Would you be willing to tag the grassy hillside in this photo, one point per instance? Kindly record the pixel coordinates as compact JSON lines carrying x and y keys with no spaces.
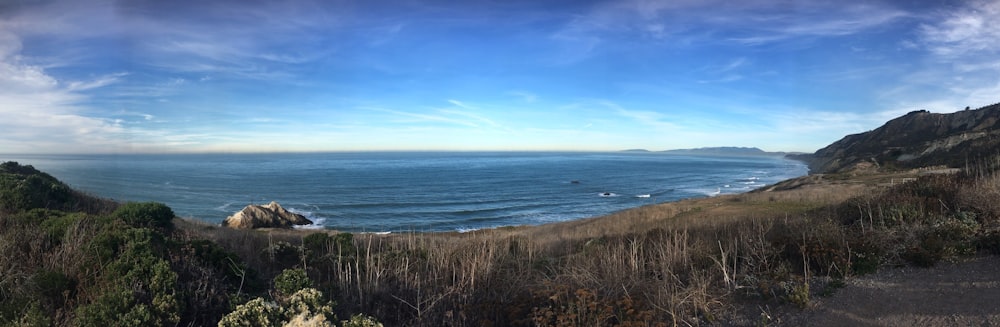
{"x":722,"y":260}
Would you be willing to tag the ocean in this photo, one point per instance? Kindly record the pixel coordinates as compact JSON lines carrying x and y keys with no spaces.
{"x":413,"y":191}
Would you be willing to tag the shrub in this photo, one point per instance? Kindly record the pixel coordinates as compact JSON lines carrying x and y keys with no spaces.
{"x":145,"y":214}
{"x":55,"y":225}
{"x":34,"y":316}
{"x":285,"y":254}
{"x":359,"y":320}
{"x":309,"y":303}
{"x":25,"y":192}
{"x":306,"y":307}
{"x":291,"y":281}
{"x":52,"y":284}
{"x":256,"y":312}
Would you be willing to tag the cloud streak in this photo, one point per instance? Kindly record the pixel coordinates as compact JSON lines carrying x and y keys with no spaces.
{"x":760,"y":22}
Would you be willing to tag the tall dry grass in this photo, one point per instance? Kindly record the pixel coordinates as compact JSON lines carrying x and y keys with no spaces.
{"x":692,"y":262}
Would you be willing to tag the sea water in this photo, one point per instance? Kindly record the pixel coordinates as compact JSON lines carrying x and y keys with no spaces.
{"x":413,"y":191}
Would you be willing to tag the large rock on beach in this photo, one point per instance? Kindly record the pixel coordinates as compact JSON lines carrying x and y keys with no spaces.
{"x":269,"y":216}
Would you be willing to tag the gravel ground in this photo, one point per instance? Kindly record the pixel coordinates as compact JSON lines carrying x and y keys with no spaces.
{"x":965,"y":293}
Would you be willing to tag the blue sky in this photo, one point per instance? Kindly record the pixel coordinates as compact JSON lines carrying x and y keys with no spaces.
{"x":251,"y":76}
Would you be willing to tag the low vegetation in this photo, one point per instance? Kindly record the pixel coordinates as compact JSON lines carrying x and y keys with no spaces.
{"x":67,"y":260}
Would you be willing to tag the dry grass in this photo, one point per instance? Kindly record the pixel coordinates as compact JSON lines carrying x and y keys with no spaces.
{"x":674,"y":262}
{"x":691,"y":262}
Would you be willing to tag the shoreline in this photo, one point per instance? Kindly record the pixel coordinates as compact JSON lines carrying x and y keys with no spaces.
{"x":555,"y":199}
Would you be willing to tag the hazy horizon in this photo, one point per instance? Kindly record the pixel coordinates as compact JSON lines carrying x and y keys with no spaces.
{"x":106,"y":76}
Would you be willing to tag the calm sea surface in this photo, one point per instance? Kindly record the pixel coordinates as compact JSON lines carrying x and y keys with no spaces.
{"x":399,"y":191}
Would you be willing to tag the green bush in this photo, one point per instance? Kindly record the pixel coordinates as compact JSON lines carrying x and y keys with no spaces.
{"x":256,"y":312}
{"x":145,"y":214}
{"x":321,"y":246}
{"x":305,"y":307}
{"x":25,"y":192}
{"x":132,"y":257}
{"x":291,"y":281}
{"x":52,"y":284}
{"x":34,"y":316}
{"x":115,"y":307}
{"x":359,"y":320}
{"x":316,"y":242}
{"x":56,"y":225}
{"x":309,"y":303}
{"x":284,"y":254}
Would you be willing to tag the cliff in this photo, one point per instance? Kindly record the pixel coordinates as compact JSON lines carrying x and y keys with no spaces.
{"x":917,"y":139}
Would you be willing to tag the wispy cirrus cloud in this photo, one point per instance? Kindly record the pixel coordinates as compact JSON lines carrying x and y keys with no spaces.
{"x":40,"y":112}
{"x":747,"y":22}
{"x":525,"y":96}
{"x":963,"y":66}
{"x":99,"y":82}
{"x":405,"y":117}
{"x":970,"y":30}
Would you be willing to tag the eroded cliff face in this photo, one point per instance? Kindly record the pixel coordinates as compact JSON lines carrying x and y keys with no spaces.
{"x":917,"y":139}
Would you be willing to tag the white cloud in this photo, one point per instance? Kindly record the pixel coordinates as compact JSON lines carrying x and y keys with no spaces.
{"x":96,"y":83}
{"x":422,"y":118}
{"x":458,"y":104}
{"x":524,"y":96}
{"x":964,"y":66}
{"x":751,"y":22}
{"x":649,"y":118}
{"x":39,"y":113}
{"x":974,"y":29}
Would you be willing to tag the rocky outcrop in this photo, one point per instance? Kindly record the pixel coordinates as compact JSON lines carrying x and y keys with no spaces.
{"x":917,"y":139}
{"x":269,"y":216}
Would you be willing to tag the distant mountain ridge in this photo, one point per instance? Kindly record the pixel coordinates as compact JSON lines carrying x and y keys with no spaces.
{"x":726,"y":151}
{"x":917,"y":139}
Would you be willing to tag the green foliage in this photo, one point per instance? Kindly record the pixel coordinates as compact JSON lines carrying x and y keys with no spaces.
{"x":145,"y":214}
{"x":57,"y":223}
{"x":298,"y":304}
{"x":316,"y":242}
{"x":797,"y":293}
{"x":52,"y":285}
{"x":291,"y":281}
{"x":134,"y":257}
{"x":24,"y":188}
{"x":360,"y":320}
{"x":285,"y":254}
{"x":309,"y":303}
{"x":33,"y":316}
{"x":114,"y":307}
{"x":342,"y":243}
{"x":306,"y":307}
{"x":256,"y":312}
{"x":212,"y":255}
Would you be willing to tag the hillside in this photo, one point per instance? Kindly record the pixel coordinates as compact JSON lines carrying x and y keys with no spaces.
{"x":917,"y":139}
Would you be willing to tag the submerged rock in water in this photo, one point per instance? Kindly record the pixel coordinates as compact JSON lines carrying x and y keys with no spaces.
{"x":269,"y":216}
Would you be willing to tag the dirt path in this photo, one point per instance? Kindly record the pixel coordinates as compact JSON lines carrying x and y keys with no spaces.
{"x":966,"y":293}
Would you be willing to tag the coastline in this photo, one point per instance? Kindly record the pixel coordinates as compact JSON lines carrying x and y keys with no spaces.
{"x":401,"y":192}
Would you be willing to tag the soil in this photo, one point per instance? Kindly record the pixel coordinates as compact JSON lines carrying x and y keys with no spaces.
{"x":965,"y":293}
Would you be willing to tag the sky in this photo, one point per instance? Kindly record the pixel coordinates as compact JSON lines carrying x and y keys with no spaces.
{"x":145,"y":76}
